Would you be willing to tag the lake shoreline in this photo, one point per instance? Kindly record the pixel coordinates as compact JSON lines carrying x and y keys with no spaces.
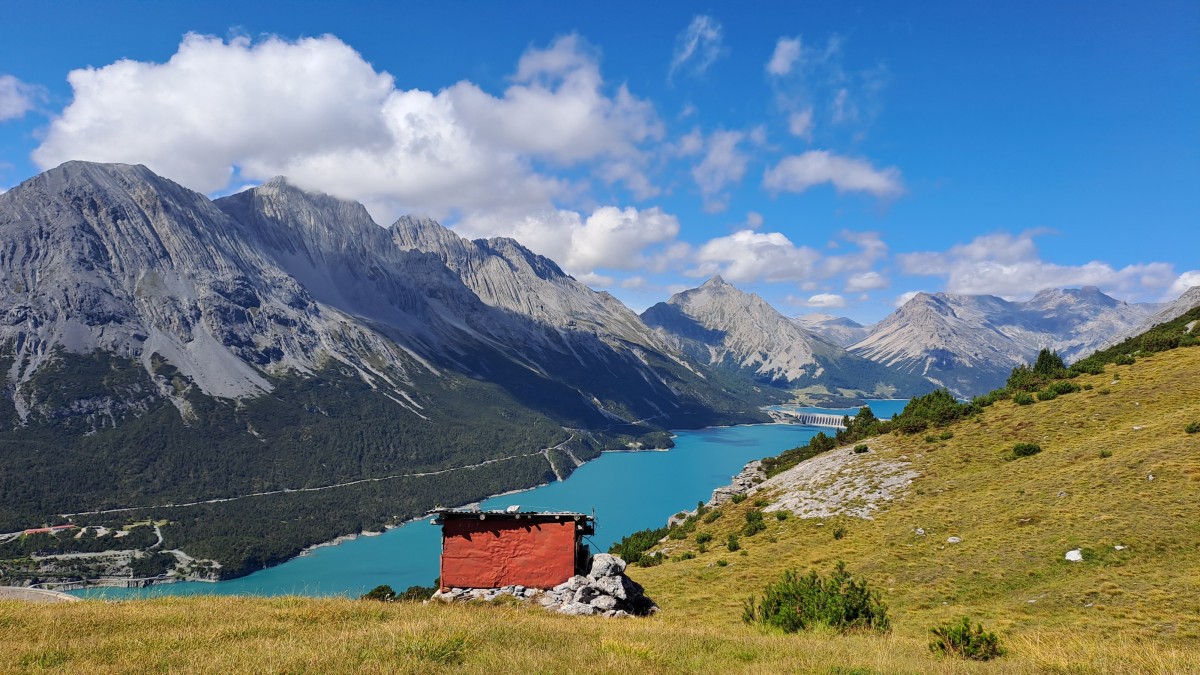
{"x":703,"y":459}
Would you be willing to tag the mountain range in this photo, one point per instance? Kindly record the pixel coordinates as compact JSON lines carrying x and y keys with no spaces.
{"x":970,"y":343}
{"x":273,"y":369}
{"x":724,"y":327}
{"x":164,"y":348}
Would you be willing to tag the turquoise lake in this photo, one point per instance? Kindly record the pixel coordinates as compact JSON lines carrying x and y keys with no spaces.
{"x":629,"y":491}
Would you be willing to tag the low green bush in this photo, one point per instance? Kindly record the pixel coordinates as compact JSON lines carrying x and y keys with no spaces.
{"x":652,"y":560}
{"x":704,"y":538}
{"x":1047,"y":395}
{"x":738,"y":498}
{"x":1087,"y":367}
{"x":632,"y":546}
{"x":1105,"y":453}
{"x":382,"y":593}
{"x":946,"y":435}
{"x":839,"y":532}
{"x":961,"y":639}
{"x":931,"y":439}
{"x":754,"y":523}
{"x":721,"y":562}
{"x":1023,"y":399}
{"x":1192,"y":428}
{"x":732,"y":543}
{"x":1026,"y":449}
{"x":1061,"y":387}
{"x":761,"y":503}
{"x":417,"y":593}
{"x":781,"y":515}
{"x":1124,"y":360}
{"x":712,"y":516}
{"x":686,"y":555}
{"x":796,"y":603}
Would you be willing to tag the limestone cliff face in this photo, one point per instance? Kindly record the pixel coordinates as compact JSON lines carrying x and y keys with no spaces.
{"x":1173,"y":310}
{"x":277,"y":280}
{"x":723,"y":326}
{"x":505,"y":274}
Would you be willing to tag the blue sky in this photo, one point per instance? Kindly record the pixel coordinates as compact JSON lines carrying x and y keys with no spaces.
{"x":831,"y":157}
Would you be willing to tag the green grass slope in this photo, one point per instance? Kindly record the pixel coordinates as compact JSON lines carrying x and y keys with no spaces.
{"x":1131,"y":610}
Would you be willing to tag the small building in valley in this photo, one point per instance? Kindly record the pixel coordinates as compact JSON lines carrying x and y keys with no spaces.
{"x":494,"y":549}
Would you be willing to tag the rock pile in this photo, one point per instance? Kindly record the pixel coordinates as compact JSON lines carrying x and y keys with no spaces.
{"x":605,"y":591}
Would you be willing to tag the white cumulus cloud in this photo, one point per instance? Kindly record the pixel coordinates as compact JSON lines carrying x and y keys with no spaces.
{"x":1011,"y":267}
{"x":798,"y":173}
{"x":752,"y":256}
{"x":903,"y":298}
{"x":698,"y":46}
{"x":315,"y":110}
{"x":800,"y":124}
{"x":823,"y":300}
{"x":723,"y":164}
{"x":866,"y":281}
{"x":609,"y":238}
{"x":787,"y":52}
{"x":16,"y":97}
{"x":1184,"y":282}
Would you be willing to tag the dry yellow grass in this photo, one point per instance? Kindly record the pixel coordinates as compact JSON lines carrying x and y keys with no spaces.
{"x":1134,"y":610}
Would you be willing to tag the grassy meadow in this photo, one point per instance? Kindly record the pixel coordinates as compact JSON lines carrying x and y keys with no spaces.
{"x":1134,"y":609}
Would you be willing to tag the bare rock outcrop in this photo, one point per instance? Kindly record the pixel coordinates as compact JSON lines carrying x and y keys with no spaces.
{"x":605,"y":591}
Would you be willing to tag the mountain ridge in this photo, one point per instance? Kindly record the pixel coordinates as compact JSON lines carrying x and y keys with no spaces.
{"x":969,"y":343}
{"x":725,"y":327}
{"x":163,"y":348}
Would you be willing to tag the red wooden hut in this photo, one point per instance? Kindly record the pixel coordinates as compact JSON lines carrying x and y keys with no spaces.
{"x":493,"y":549}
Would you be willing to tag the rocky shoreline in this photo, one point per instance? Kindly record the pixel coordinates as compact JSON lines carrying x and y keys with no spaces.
{"x":751,"y":476}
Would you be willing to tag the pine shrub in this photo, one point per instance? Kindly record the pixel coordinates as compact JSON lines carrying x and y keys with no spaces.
{"x":754,"y":523}
{"x":732,"y":543}
{"x":1061,"y":387}
{"x":1026,"y":449}
{"x":964,"y":641}
{"x":382,"y":593}
{"x":796,"y":603}
{"x":1192,"y":428}
{"x":1023,"y":399}
{"x":1047,"y":395}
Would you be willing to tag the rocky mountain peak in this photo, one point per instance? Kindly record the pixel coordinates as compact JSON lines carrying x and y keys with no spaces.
{"x":1088,"y":296}
{"x":723,"y":325}
{"x":968,"y":343}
